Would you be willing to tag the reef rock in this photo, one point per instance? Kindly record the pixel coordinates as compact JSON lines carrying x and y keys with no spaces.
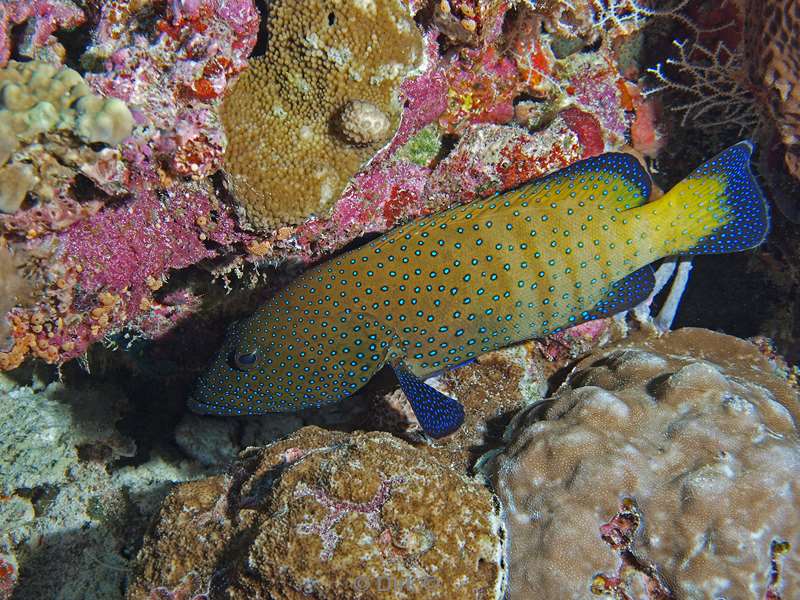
{"x":661,"y":469}
{"x":771,"y":37}
{"x":302,"y":119}
{"x":327,"y":515}
{"x":73,"y":505}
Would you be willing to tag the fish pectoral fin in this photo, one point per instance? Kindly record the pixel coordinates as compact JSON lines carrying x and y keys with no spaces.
{"x":439,"y":415}
{"x":626,"y":293}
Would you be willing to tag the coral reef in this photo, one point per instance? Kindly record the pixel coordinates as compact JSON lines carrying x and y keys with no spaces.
{"x":328,"y":515}
{"x":40,"y":20}
{"x":43,"y":434}
{"x":8,"y":576}
{"x":14,"y":288}
{"x":469,"y":22}
{"x":662,"y":468}
{"x":145,"y":176}
{"x":145,"y":210}
{"x":285,"y":160}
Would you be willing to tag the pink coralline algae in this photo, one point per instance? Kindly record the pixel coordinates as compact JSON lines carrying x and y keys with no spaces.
{"x":41,"y":19}
{"x":8,"y":577}
{"x":100,"y":274}
{"x":619,"y":533}
{"x":493,"y":107}
{"x":338,"y":509}
{"x":186,"y":590}
{"x":574,"y":341}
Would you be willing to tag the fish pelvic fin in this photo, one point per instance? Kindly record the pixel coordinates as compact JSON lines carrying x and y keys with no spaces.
{"x":438,"y":415}
{"x":718,"y":208}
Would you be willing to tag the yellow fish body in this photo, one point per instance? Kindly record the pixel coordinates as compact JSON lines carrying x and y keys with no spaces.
{"x":435,"y":293}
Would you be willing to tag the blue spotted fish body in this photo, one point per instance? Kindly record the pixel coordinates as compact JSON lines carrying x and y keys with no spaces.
{"x":437,"y":292}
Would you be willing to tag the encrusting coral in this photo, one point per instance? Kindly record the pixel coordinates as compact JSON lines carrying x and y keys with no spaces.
{"x":661,"y":469}
{"x":326,"y":61}
{"x":328,"y":515}
{"x":363,"y":123}
{"x":30,"y":26}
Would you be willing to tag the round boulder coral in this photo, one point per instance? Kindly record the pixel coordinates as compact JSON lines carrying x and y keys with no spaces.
{"x":304,"y":117}
{"x":661,"y":469}
{"x":363,"y":123}
{"x":328,"y":515}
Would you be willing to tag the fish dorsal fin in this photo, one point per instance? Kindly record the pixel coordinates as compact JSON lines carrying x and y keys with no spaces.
{"x":439,"y":415}
{"x":621,"y":181}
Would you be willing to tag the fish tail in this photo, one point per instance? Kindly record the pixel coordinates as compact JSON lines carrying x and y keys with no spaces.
{"x":718,"y":208}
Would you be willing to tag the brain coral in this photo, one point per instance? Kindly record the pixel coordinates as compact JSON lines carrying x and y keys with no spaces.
{"x":662,"y":469}
{"x":772,"y":34}
{"x":330,"y":66}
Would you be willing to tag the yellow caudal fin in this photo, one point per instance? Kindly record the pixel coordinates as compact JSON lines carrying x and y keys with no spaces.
{"x":718,"y":208}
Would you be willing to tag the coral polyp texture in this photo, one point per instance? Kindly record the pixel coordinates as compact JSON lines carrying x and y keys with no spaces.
{"x":663,"y":468}
{"x":772,"y":38}
{"x":48,"y":118}
{"x":469,"y":22}
{"x":328,"y":515}
{"x":327,"y":61}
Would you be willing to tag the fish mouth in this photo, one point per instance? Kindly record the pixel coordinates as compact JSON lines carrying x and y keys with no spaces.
{"x":201,"y":408}
{"x":212,"y":408}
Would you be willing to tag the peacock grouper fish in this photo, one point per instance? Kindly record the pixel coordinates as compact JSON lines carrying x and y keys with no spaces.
{"x":433,"y":294}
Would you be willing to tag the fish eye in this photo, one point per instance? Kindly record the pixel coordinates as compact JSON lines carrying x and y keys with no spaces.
{"x":246,"y":360}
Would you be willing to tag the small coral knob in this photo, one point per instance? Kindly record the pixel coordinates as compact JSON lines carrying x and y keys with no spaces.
{"x":362,"y":123}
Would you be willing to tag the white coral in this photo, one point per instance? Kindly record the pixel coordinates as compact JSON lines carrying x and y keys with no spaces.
{"x":363,"y":123}
{"x":708,"y":450}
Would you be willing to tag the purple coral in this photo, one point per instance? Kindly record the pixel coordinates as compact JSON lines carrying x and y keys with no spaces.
{"x":619,"y":534}
{"x":42,"y":18}
{"x":337,"y":509}
{"x":185,"y":590}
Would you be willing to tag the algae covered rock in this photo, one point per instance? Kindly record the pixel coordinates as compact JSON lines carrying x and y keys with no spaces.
{"x":305,"y":116}
{"x":43,"y":435}
{"x":663,"y":469}
{"x":328,"y":515}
